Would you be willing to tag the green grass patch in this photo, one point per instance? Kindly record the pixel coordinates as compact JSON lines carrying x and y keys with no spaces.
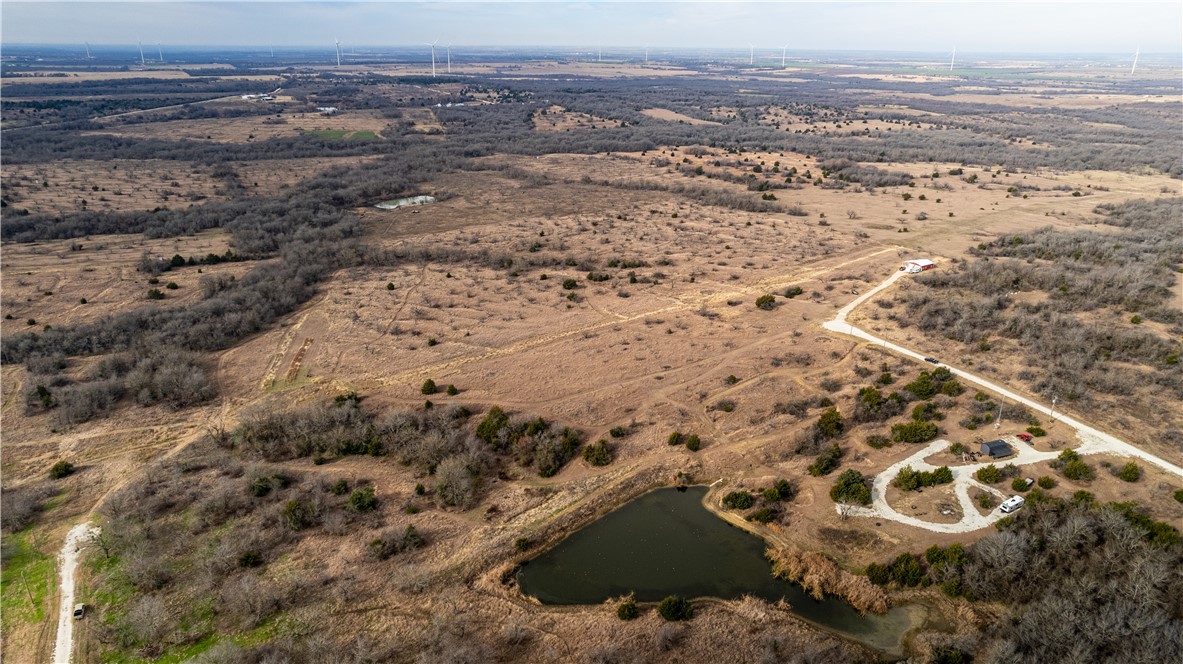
{"x":27,"y":579}
{"x":363,"y":136}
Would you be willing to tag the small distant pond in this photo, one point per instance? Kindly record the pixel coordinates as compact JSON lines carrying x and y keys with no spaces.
{"x":666,"y":543}
{"x":405,"y":202}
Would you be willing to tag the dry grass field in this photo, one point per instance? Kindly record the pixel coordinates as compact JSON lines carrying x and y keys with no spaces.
{"x":346,"y":126}
{"x":76,"y":186}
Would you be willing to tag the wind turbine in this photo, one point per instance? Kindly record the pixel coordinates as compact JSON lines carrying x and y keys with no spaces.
{"x":272,"y":50}
{"x":751,"y":54}
{"x":449,"y":47}
{"x":432,"y":45}
{"x":600,"y":53}
{"x":160,"y":52}
{"x":646,"y":54}
{"x":337,"y":44}
{"x":783,"y":51}
{"x":88,"y":55}
{"x":953,"y":59}
{"x":1135,"y":65}
{"x":141,"y":45}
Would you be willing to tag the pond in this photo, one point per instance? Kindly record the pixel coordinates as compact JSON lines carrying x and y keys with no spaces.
{"x":666,"y":543}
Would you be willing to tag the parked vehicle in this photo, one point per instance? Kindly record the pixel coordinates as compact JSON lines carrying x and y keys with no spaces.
{"x":1025,"y":437}
{"x":1011,"y":504}
{"x":79,"y":611}
{"x":932,"y":360}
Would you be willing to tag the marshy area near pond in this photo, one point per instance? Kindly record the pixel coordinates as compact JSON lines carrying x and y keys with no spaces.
{"x":665,"y":543}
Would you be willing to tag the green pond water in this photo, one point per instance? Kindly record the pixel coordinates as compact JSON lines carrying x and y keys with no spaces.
{"x":666,"y":543}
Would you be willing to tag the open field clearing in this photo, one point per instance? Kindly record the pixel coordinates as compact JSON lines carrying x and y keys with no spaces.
{"x":557,"y":118}
{"x":672,"y":116}
{"x":46,"y":282}
{"x":128,"y":185}
{"x":343,"y":126}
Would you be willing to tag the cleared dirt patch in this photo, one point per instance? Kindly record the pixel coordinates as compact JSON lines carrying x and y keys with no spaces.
{"x":673,"y":116}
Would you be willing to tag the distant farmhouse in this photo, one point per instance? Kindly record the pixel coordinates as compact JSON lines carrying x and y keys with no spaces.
{"x":917,"y":265}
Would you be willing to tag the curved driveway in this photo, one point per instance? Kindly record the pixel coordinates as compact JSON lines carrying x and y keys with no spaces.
{"x":1092,"y":441}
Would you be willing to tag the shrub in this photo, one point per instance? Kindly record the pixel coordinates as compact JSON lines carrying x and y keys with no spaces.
{"x":987,"y":500}
{"x":989,"y":474}
{"x":340,"y":487}
{"x":781,"y":490}
{"x":879,"y":574}
{"x":153,"y":294}
{"x":826,"y":462}
{"x":793,"y":291}
{"x":675,"y":608}
{"x":738,"y":500}
{"x":693,"y":442}
{"x":598,"y":453}
{"x":627,"y":610}
{"x":910,"y":480}
{"x":958,"y":449}
{"x":926,"y":411}
{"x":521,"y":544}
{"x":1036,"y":431}
{"x":363,"y":500}
{"x":765,"y":302}
{"x":1046,"y":482}
{"x":906,"y":570}
{"x":452,"y":391}
{"x":569,"y":284}
{"x":1178,"y":495}
{"x":1078,"y":470}
{"x":762,"y":515}
{"x":1130,"y":472}
{"x":851,"y":487}
{"x":392,"y":542}
{"x":913,"y":432}
{"x":61,"y":469}
{"x":831,"y":424}
{"x":1084,"y":498}
{"x":675,"y":438}
{"x":878,"y":442}
{"x":1018,"y":484}
{"x":495,"y":420}
{"x":429,"y":387}
{"x":619,"y":432}
{"x":297,"y":515}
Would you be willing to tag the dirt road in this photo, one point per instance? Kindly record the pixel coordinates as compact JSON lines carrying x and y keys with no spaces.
{"x":77,"y":537}
{"x":1092,"y":441}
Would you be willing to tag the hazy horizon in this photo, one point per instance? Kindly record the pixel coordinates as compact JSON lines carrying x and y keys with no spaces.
{"x":911,"y":27}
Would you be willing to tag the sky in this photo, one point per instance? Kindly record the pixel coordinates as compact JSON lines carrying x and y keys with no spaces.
{"x":992,"y":26}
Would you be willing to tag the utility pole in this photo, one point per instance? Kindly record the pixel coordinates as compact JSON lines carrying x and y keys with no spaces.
{"x":1053,"y":414}
{"x":998,"y":420}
